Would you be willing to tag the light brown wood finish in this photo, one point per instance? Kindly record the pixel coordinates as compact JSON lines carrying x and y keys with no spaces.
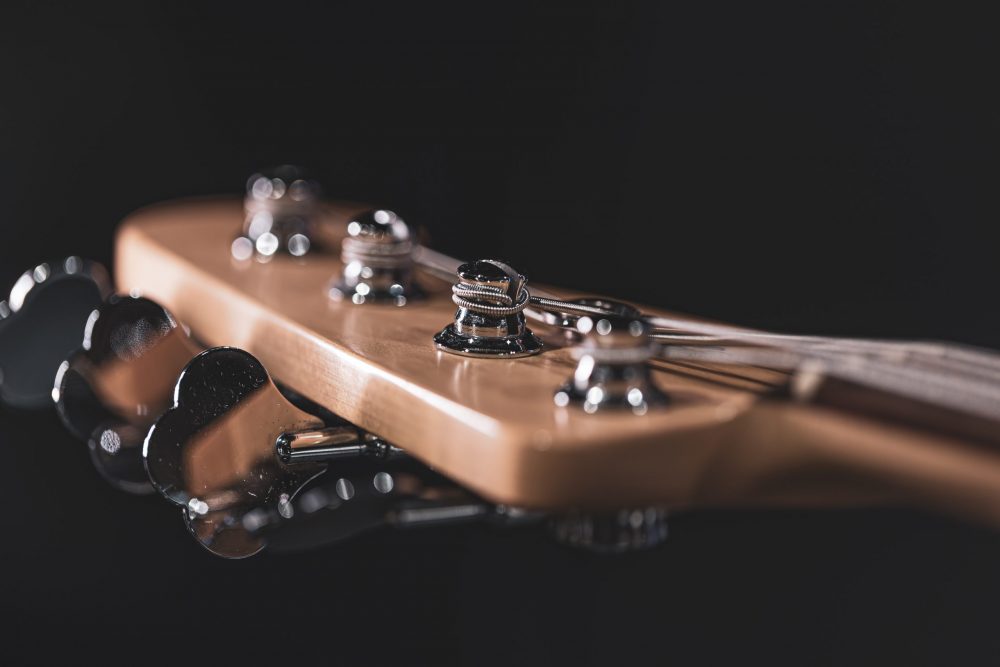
{"x":492,"y":425}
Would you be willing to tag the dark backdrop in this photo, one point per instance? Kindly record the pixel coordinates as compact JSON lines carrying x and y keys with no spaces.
{"x":820,"y":169}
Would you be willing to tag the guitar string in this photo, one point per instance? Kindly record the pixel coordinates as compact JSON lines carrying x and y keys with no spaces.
{"x":956,"y":393}
{"x":948,"y":358}
{"x":964,"y":378}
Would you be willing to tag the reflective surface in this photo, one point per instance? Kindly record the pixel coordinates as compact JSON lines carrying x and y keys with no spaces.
{"x":362,"y":494}
{"x":41,"y":322}
{"x":378,"y":261}
{"x":110,"y":391}
{"x":611,"y":369}
{"x":489,"y":322}
{"x":213,"y":453}
{"x":568,"y":321}
{"x":281,"y":206}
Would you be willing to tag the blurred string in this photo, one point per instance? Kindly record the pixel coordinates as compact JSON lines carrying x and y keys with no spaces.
{"x":958,"y":377}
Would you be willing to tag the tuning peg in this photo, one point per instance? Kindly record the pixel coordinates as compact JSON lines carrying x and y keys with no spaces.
{"x":611,"y":369}
{"x":234,"y":454}
{"x":40,"y":322}
{"x":378,"y":261}
{"x":491,"y":297}
{"x":109,"y":392}
{"x":281,"y":209}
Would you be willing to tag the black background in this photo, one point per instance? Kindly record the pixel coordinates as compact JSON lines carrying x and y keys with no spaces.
{"x":819,"y":169}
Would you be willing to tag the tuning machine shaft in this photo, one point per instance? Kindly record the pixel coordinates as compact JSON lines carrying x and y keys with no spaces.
{"x":234,"y":453}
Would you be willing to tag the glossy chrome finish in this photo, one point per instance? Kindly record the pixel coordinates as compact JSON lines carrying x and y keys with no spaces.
{"x":213,"y":453}
{"x":281,"y":211}
{"x":367,"y":494}
{"x":110,"y":391}
{"x":489,"y":323}
{"x":612,"y":532}
{"x":41,"y":322}
{"x":237,"y":456}
{"x":378,"y":261}
{"x":611,"y":369}
{"x":331,"y":443}
{"x":566,"y":318}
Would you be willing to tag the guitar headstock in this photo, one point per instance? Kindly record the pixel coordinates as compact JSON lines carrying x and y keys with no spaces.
{"x":501,"y":424}
{"x":337,"y":338}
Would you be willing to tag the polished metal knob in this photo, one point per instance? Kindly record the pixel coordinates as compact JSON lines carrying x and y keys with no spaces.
{"x":281,"y":211}
{"x":41,"y":321}
{"x":611,"y":370}
{"x":489,"y":323}
{"x":234,"y":447}
{"x":244,"y":464}
{"x":378,"y":261}
{"x":111,"y":390}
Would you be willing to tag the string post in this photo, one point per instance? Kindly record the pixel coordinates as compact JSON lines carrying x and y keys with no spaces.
{"x":378,"y":261}
{"x":281,"y":210}
{"x":611,"y":370}
{"x":491,"y":297}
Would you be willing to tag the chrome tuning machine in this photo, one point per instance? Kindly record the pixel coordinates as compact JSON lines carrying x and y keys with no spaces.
{"x":234,"y":454}
{"x":612,"y":532}
{"x":281,"y":211}
{"x":111,"y":390}
{"x":489,"y":323}
{"x":611,"y":370}
{"x":40,"y":322}
{"x":378,"y":261}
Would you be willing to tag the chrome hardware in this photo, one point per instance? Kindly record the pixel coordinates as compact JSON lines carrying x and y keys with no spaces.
{"x":235,"y":454}
{"x":612,"y":532}
{"x":332,"y":443}
{"x":365,"y":495}
{"x":611,"y":369}
{"x":110,"y":391}
{"x":40,"y":322}
{"x":491,"y":297}
{"x":567,"y":321}
{"x":378,"y":261}
{"x":281,"y":208}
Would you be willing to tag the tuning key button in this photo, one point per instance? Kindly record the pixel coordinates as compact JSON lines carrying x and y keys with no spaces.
{"x":281,"y":209}
{"x":489,"y":323}
{"x":40,"y":322}
{"x":378,"y":261}
{"x":122,"y":378}
{"x":611,"y":370}
{"x":233,"y":451}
